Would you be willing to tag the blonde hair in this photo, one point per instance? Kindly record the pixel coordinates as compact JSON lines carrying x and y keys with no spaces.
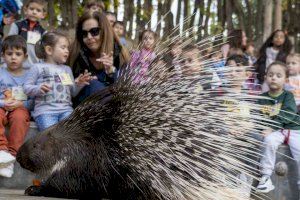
{"x":294,"y":55}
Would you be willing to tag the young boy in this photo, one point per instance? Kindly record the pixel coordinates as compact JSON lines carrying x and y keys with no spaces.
{"x":250,"y":82}
{"x":281,"y":108}
{"x":119,"y":30}
{"x":293,"y":63}
{"x":30,"y":28}
{"x":14,"y":105}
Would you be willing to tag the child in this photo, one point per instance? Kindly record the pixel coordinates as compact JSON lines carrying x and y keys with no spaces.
{"x":249,"y":83}
{"x":119,"y":30}
{"x":142,"y":59}
{"x":30,"y":28}
{"x":293,"y":63}
{"x":94,"y":6}
{"x":276,"y":48}
{"x":13,"y":102}
{"x":51,"y":82}
{"x":282,"y":109}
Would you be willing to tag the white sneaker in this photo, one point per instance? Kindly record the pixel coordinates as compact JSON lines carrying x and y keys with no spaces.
{"x":7,"y":171}
{"x":265,"y":185}
{"x":6,"y":158}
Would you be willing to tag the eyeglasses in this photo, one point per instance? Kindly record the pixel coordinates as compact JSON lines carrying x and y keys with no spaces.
{"x":93,"y":31}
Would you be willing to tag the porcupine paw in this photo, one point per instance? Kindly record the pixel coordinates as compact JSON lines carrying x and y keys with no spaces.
{"x":33,"y":191}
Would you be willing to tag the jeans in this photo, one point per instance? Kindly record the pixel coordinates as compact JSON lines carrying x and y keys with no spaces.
{"x":44,"y":121}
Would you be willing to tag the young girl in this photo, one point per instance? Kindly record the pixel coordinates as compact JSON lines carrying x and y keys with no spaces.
{"x":282,"y":109}
{"x":52,"y":83}
{"x":293,"y":64}
{"x":142,"y":59}
{"x":276,"y":48}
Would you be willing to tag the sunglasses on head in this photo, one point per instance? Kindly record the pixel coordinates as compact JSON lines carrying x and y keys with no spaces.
{"x":93,"y":31}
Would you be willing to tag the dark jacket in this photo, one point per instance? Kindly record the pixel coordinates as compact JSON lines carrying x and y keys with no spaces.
{"x":260,"y":64}
{"x":23,"y":27}
{"x":83,"y":63}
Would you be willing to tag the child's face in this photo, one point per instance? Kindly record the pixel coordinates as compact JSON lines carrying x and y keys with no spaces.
{"x":276,"y":77}
{"x":192,"y":64}
{"x":293,"y":64}
{"x":278,"y":38}
{"x":238,"y":72}
{"x":34,"y":11}
{"x":119,"y":29}
{"x":60,"y":52}
{"x":14,"y":58}
{"x":95,"y":8}
{"x":148,"y":40}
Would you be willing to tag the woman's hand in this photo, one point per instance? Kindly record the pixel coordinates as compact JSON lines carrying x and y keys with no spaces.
{"x":85,"y":78}
{"x":107,"y":61}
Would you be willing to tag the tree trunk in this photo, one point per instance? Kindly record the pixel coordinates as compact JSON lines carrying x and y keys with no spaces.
{"x":249,"y":25}
{"x":268,"y":8}
{"x":128,"y":17}
{"x":178,"y":12}
{"x":51,"y":14}
{"x":148,"y":9}
{"x":259,"y":22}
{"x":278,"y":15}
{"x":169,"y":25}
{"x":207,"y":16}
{"x":159,"y":14}
{"x":240,"y":14}
{"x":197,"y":2}
{"x":139,"y":28}
{"x":229,"y":15}
{"x":186,"y":13}
{"x":200,"y":23}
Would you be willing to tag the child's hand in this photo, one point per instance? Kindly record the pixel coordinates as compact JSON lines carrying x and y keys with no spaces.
{"x":85,"y":78}
{"x":12,"y":104}
{"x":45,"y":88}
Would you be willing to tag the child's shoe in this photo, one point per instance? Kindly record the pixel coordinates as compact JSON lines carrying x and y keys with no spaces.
{"x":6,"y":158}
{"x":265,"y":185}
{"x":7,"y":171}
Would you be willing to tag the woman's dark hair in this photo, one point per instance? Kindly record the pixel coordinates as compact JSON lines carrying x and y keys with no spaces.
{"x":285,"y":47}
{"x":282,"y":65}
{"x":235,"y":38}
{"x":49,"y":39}
{"x":14,"y":41}
{"x":155,"y":35}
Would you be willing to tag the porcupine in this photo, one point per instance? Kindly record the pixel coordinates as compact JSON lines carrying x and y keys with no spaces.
{"x":159,"y":139}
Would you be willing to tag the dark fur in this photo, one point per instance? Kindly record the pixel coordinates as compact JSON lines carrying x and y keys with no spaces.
{"x":94,"y":167}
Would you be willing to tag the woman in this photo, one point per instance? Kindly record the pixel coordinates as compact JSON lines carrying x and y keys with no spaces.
{"x":96,"y":49}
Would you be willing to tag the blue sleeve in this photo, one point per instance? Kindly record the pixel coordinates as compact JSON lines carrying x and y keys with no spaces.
{"x":30,"y":87}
